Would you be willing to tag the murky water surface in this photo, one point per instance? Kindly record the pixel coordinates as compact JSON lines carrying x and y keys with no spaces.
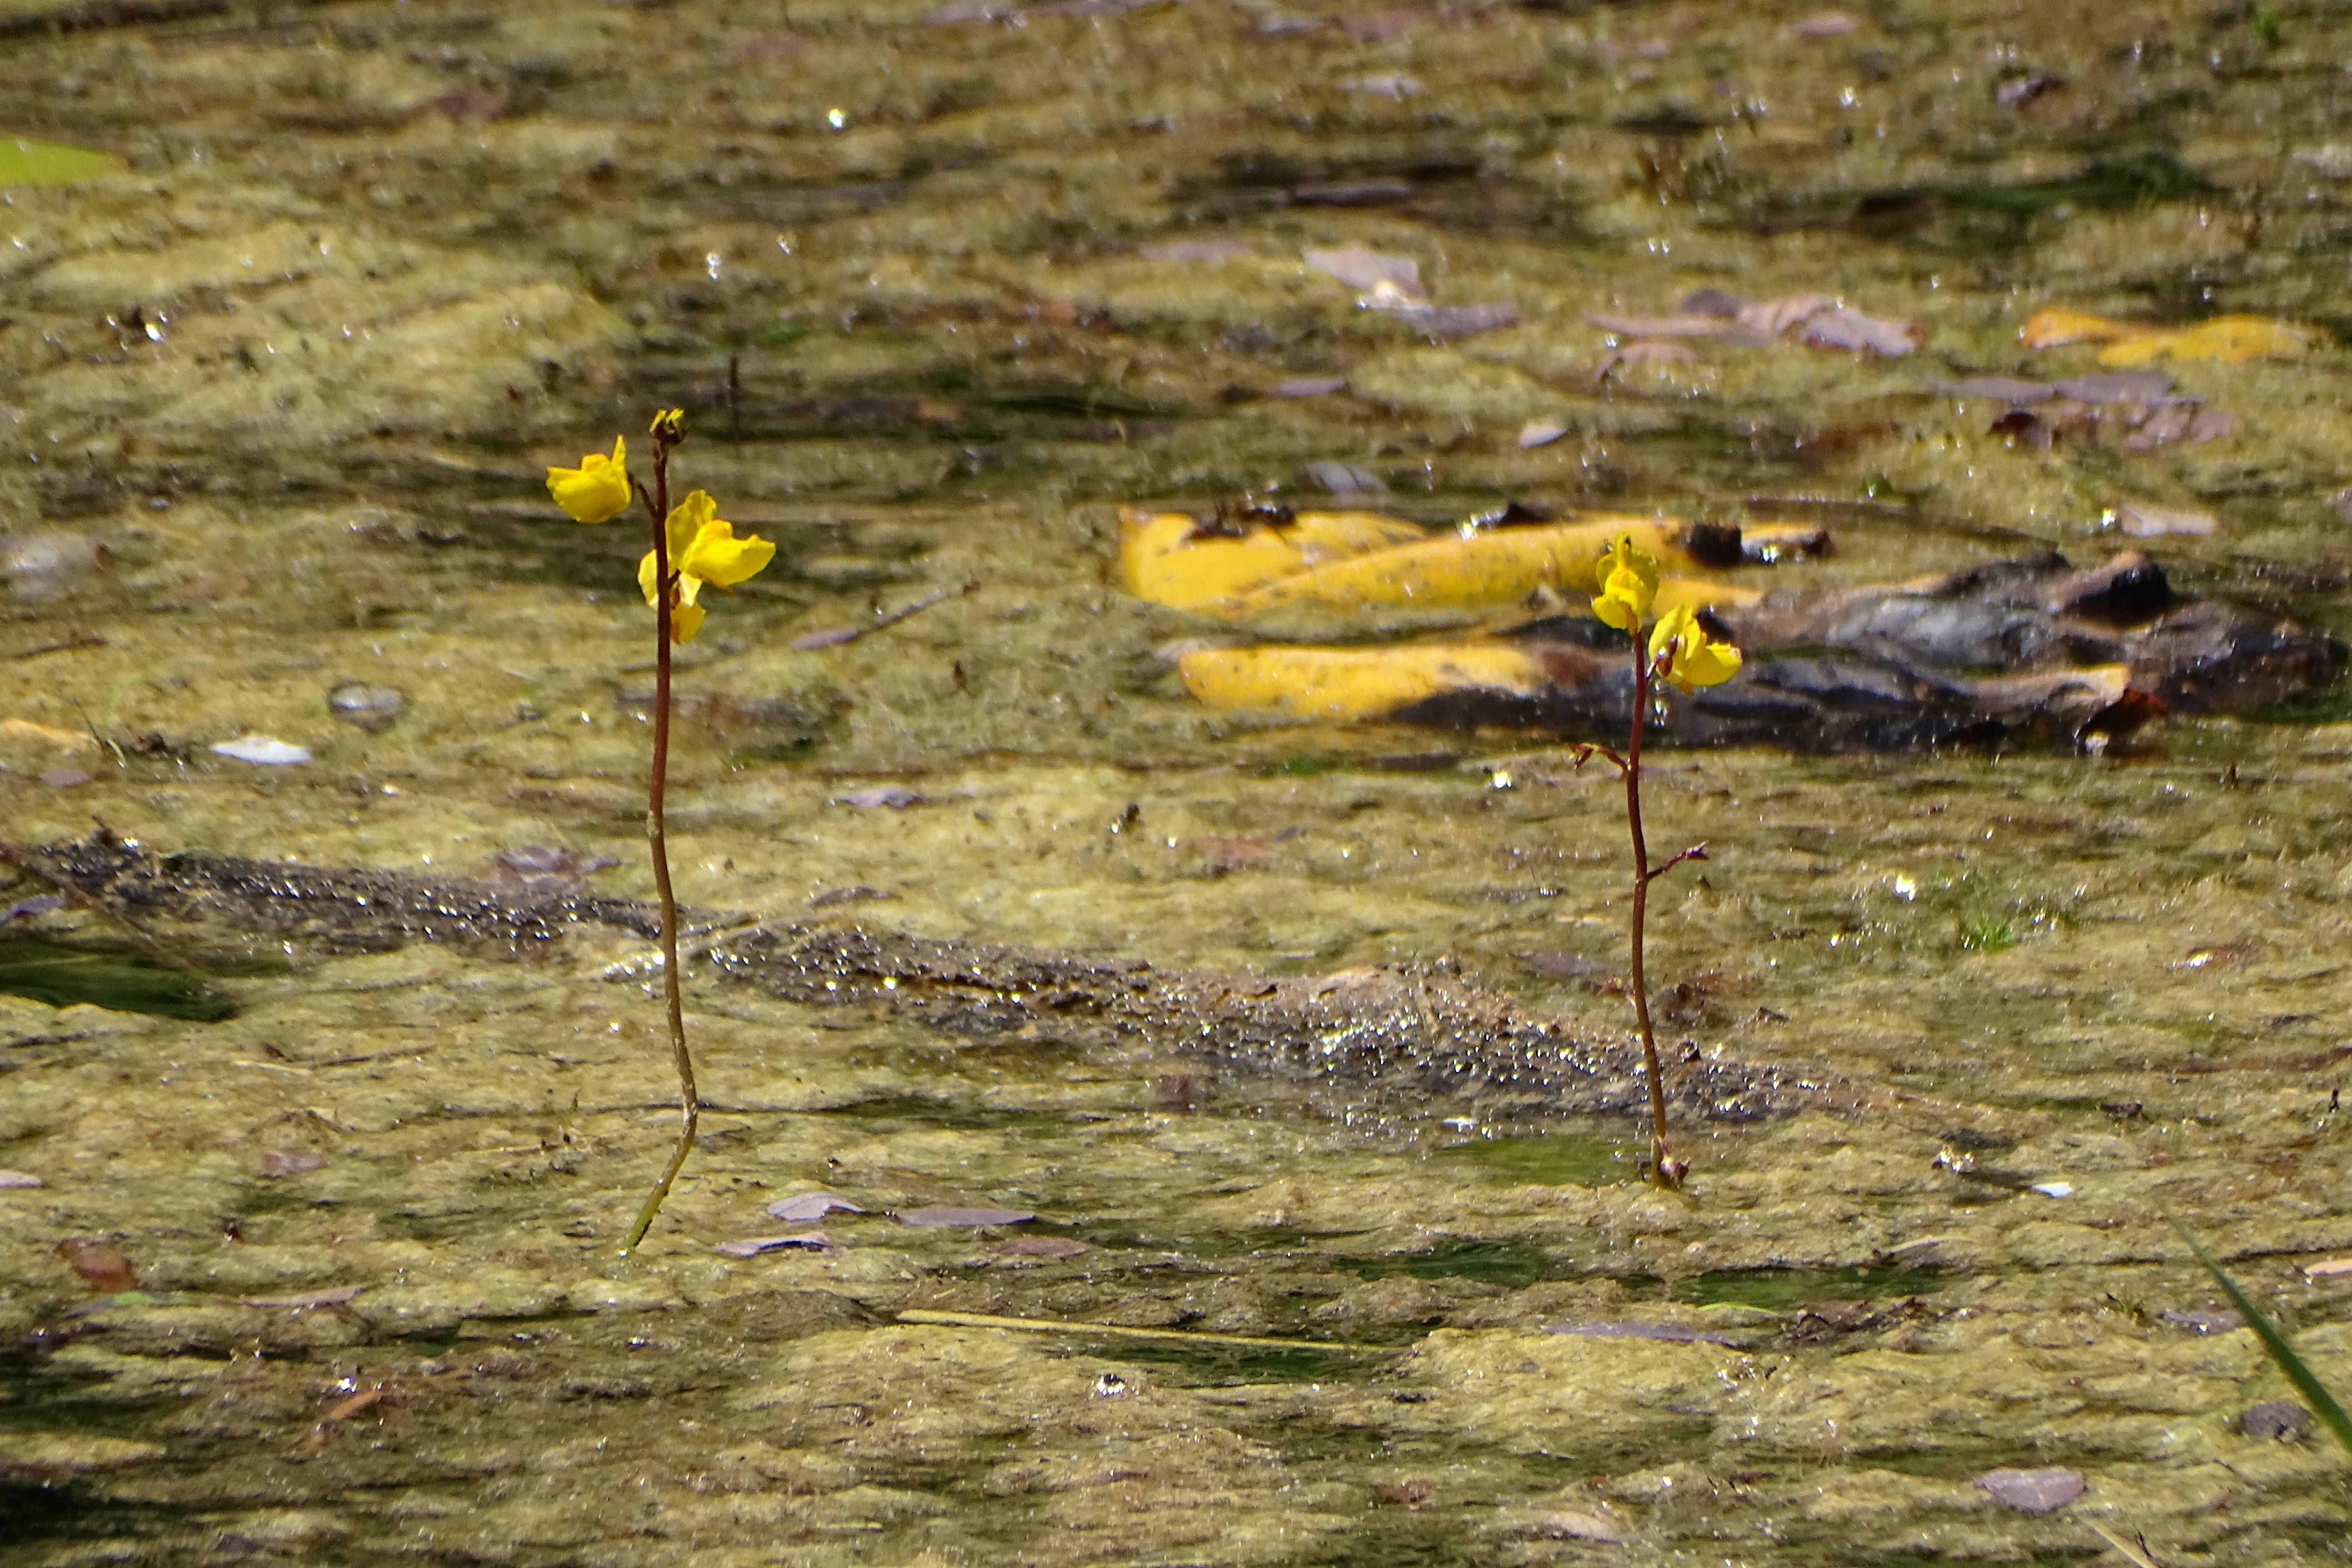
{"x":277,"y":401}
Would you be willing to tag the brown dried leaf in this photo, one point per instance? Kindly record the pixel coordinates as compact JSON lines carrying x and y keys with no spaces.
{"x":103,"y":1266}
{"x":1844,"y":328}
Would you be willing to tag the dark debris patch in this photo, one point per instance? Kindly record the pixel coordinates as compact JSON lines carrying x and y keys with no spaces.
{"x":348,"y":910}
{"x":1421,"y":1031}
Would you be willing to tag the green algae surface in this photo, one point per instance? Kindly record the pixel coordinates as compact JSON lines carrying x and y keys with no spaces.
{"x":276,"y":398}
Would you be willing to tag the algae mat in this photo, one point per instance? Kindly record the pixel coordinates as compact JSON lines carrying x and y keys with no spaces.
{"x":941,"y":291}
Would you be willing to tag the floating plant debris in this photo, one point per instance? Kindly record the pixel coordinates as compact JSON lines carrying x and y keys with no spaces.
{"x":2034,"y":1492}
{"x":805,"y":1241}
{"x":948,"y":1217}
{"x":264,"y":750}
{"x":25,"y":162}
{"x":100,"y":1266}
{"x":2232,"y":339}
{"x":303,"y":1301}
{"x":102,"y":974}
{"x":811,"y":1205}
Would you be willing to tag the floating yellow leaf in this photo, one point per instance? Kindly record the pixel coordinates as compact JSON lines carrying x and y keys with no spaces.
{"x":1491,"y":567}
{"x":24,"y":162}
{"x":2051,"y":328}
{"x":2232,"y":340}
{"x":1164,"y":561}
{"x":1306,"y":684}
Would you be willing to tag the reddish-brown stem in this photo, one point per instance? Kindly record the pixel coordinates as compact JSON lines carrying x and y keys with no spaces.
{"x":1585,"y":751}
{"x":1696,"y":852}
{"x":1663,"y":1163}
{"x":656,"y":788}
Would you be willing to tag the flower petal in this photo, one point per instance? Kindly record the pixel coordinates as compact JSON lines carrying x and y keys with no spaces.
{"x":688,"y":519}
{"x":1689,"y":658}
{"x":595,"y":490}
{"x":1711,"y":665}
{"x":1629,"y":584}
{"x":685,"y":620}
{"x":719,"y":557}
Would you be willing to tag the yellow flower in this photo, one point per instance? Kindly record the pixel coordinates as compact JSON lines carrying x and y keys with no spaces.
{"x":598,"y":489}
{"x":670,"y":422}
{"x":1688,"y":656}
{"x":1629,"y":584}
{"x":702,"y":549}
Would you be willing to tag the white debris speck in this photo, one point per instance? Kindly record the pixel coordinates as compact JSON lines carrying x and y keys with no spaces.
{"x":265,"y":751}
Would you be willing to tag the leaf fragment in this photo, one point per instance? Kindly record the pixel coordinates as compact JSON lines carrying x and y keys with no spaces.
{"x":25,"y":162}
{"x":1336,"y":685}
{"x":2230,"y":339}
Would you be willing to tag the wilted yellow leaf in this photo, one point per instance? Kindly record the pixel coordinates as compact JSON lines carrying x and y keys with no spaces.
{"x":1164,"y":563}
{"x":1307,"y":684}
{"x":2232,"y":340}
{"x":1491,"y":567}
{"x":2049,"y":329}
{"x":24,"y":162}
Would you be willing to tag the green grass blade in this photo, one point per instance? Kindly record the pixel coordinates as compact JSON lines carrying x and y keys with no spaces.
{"x":25,"y":162}
{"x":2298,"y":1372}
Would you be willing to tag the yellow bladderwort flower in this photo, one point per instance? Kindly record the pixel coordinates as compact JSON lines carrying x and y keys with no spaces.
{"x":1628,"y":585}
{"x":598,"y":489}
{"x":702,"y":549}
{"x":670,"y":422}
{"x":1690,"y":658}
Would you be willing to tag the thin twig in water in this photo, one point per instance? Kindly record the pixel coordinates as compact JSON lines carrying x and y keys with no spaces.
{"x":2134,"y":1551}
{"x":810,"y":641}
{"x":71,"y":644}
{"x":1053,"y":1326}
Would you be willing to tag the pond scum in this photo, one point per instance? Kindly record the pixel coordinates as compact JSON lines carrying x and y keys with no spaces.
{"x":1180,"y":1008}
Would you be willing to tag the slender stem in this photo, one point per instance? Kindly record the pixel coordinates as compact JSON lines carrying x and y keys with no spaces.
{"x":657,"y":787}
{"x":1661,"y":1161}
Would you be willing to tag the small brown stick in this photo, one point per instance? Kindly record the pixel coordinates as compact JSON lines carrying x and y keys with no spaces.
{"x":71,"y":644}
{"x":341,"y":1411}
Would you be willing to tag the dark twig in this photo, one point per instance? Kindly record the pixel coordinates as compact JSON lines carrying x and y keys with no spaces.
{"x":810,"y":641}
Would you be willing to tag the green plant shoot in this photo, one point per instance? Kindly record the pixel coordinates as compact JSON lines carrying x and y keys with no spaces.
{"x":2275,"y":1344}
